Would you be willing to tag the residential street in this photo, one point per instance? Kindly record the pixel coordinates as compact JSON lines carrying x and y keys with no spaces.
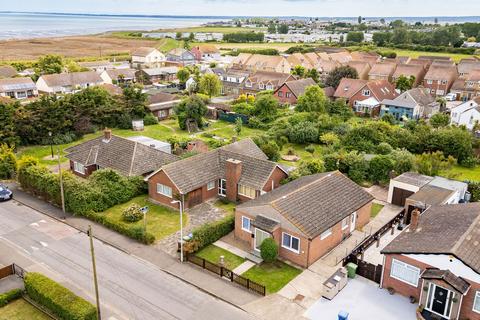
{"x":130,"y":288}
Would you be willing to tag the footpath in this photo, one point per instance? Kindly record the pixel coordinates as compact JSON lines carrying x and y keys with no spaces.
{"x":203,"y":280}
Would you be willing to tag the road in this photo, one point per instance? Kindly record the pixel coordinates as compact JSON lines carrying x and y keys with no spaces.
{"x":130,"y":288}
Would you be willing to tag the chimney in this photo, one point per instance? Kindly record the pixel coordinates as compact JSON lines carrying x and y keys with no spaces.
{"x":233,"y":172}
{"x":107,"y":135}
{"x":414,"y":219}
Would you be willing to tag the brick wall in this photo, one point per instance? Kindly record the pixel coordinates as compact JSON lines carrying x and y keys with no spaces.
{"x":277,"y":176}
{"x":161,"y":178}
{"x":363,"y":215}
{"x":281,"y":95}
{"x":466,"y":311}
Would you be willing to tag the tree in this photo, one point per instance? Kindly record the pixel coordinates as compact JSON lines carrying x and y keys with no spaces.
{"x":381,"y":38}
{"x":8,"y":133}
{"x":135,"y":101}
{"x":380,"y":167}
{"x":303,"y":132}
{"x":405,"y":83}
{"x":404,"y":161}
{"x":269,"y":250}
{"x":178,"y":35}
{"x":355,"y":36}
{"x":313,"y":74}
{"x":238,"y":126}
{"x":210,"y":85}
{"x":389,"y":118}
{"x":283,"y":28}
{"x":359,"y":20}
{"x":49,"y":64}
{"x":339,"y":107}
{"x":337,"y":74}
{"x":432,"y":163}
{"x":183,"y":75}
{"x":265,"y":107}
{"x":312,"y":100}
{"x":400,"y":36}
{"x":191,"y":37}
{"x":397,"y":24}
{"x":192,"y":108}
{"x":439,"y":120}
{"x":382,"y":21}
{"x":8,"y":162}
{"x":272,"y":28}
{"x":330,"y":139}
{"x":298,"y":71}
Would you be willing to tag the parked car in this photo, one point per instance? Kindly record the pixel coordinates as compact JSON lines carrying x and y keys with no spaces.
{"x":451,"y":97}
{"x":5,"y":193}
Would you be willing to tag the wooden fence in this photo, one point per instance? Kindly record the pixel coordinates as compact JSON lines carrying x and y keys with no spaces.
{"x":227,"y":274}
{"x":368,"y":270}
{"x":6,"y":271}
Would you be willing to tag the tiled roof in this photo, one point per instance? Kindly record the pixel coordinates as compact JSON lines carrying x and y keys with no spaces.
{"x":360,"y":66}
{"x":348,"y":87}
{"x":128,"y":157}
{"x":408,"y":70}
{"x":383,"y":69}
{"x":382,"y":89}
{"x":432,"y":195}
{"x":116,"y":73}
{"x":7,"y":72}
{"x":265,"y":223}
{"x":441,"y":73}
{"x":412,"y":178}
{"x":298,"y":86}
{"x":466,"y":66}
{"x":17,"y":84}
{"x":143,"y":51}
{"x":274,"y":78}
{"x":313,"y":203}
{"x":208,"y":49}
{"x":112,"y":89}
{"x":71,"y":79}
{"x":452,"y":229}
{"x":460,"y":284}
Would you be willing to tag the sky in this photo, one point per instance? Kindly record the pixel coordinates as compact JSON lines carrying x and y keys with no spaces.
{"x":315,"y":8}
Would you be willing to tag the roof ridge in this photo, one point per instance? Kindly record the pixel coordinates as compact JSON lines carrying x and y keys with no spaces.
{"x":466,"y":233}
{"x":133,"y":158}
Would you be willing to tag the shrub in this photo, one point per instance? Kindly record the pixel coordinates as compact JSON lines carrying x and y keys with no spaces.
{"x":380,"y":167}
{"x":474,"y":189}
{"x":269,"y":250}
{"x":58,"y":299}
{"x":303,"y":132}
{"x":9,"y":296}
{"x":132,"y":213}
{"x":150,"y":119}
{"x":8,"y":162}
{"x":310,"y":148}
{"x":211,"y":232}
{"x":384,"y":148}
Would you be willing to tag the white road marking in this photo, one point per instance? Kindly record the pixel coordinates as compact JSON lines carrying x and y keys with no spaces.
{"x":44,"y":244}
{"x":42,"y":221}
{"x":34,"y":224}
{"x":34,"y":248}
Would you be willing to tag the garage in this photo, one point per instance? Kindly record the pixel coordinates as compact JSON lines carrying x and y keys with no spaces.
{"x":400,"y":195}
{"x":404,"y":186}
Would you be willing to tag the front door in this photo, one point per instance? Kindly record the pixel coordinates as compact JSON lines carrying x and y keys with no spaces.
{"x":440,"y":300}
{"x":260,"y":235}
{"x":353,"y":221}
{"x":195,"y":198}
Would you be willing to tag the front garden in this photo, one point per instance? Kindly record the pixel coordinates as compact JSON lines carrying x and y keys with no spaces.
{"x":21,"y":310}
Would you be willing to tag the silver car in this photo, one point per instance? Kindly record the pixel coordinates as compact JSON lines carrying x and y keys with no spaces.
{"x":5,"y":193}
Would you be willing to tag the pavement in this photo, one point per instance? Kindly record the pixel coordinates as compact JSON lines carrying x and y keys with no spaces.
{"x":11,"y":282}
{"x":65,"y":227}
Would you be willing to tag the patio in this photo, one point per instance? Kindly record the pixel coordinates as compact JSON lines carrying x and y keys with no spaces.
{"x":363,"y":299}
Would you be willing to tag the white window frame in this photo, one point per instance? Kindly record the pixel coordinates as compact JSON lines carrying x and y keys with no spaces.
{"x":429,"y":81}
{"x":407,"y":266}
{"x":476,"y":300}
{"x":222,"y":191}
{"x":249,"y":230}
{"x":288,"y":95}
{"x":243,"y":191}
{"x":78,"y":167}
{"x":345,"y":223}
{"x":248,"y":84}
{"x":327,"y":233}
{"x":261,"y":86}
{"x":366,"y":93}
{"x":289,"y":247}
{"x":210,"y":185}
{"x":163,"y":190}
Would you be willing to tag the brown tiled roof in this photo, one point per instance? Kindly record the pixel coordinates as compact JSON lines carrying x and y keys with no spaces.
{"x":298,"y":86}
{"x":458,"y":283}
{"x":452,"y":229}
{"x":433,"y":58}
{"x":370,"y":57}
{"x":383,"y":69}
{"x":71,"y":79}
{"x":340,"y":57}
{"x":162,"y":97}
{"x":474,"y":76}
{"x":466,"y":66}
{"x":422,"y":62}
{"x":7,"y":72}
{"x":408,"y":70}
{"x":382,"y":89}
{"x":326,"y":66}
{"x":130,"y":158}
{"x":208,"y":48}
{"x":116,"y":73}
{"x":443,"y":63}
{"x":313,"y":203}
{"x":112,"y":89}
{"x":360,"y":66}
{"x":143,"y":51}
{"x":348,"y":87}
{"x":274,"y":78}
{"x":422,"y":96}
{"x":441,"y":73}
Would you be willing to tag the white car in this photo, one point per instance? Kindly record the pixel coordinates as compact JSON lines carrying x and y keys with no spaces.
{"x":451,"y":97}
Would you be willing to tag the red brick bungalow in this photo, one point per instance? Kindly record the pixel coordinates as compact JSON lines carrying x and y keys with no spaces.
{"x":437,"y":262}
{"x":239,"y":172}
{"x":307,"y":217}
{"x":291,"y":90}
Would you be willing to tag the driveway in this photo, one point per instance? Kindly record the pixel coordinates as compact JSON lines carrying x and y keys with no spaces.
{"x":363,"y":299}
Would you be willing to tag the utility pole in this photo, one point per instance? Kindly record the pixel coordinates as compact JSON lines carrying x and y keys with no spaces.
{"x":61,"y":182}
{"x":92,"y":252}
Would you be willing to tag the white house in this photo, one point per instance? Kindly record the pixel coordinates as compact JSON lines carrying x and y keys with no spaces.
{"x":18,"y":88}
{"x":467,"y":114}
{"x":68,"y":82}
{"x":145,"y":57}
{"x":118,"y":75}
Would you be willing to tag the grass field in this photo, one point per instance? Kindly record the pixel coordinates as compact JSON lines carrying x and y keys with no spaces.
{"x":21,"y":310}
{"x":415,"y":54}
{"x":274,"y":276}
{"x":161,"y":221}
{"x":462,"y":173}
{"x":212,"y":254}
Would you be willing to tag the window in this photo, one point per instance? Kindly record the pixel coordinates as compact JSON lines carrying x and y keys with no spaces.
{"x":246,"y":191}
{"x":261,"y":86}
{"x":246,"y":226}
{"x":222,"y":187}
{"x":444,"y":81}
{"x":290,"y":242}
{"x":366,"y":93}
{"x":345,"y":223}
{"x":78,"y":167}
{"x":326,"y":234}
{"x":210,"y":185}
{"x":429,"y":81}
{"x":164,"y":190}
{"x":288,"y":94}
{"x":10,"y":94}
{"x":280,"y":94}
{"x":21,"y":94}
{"x":405,"y":272}
{"x":269,"y":87}
{"x":476,"y":302}
{"x":248,"y":84}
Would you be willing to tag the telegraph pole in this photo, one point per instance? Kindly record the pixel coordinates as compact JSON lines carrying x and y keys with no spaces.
{"x":92,"y":252}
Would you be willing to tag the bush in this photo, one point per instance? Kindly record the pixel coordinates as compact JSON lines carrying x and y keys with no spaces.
{"x":269,"y":250}
{"x":310,"y":148}
{"x":474,"y":189}
{"x":303,"y":132}
{"x":384,"y":148}
{"x":211,"y":232}
{"x":58,"y":299}
{"x":150,"y":119}
{"x":132,"y":213}
{"x":8,"y":162}
{"x":380,"y":167}
{"x":9,"y":296}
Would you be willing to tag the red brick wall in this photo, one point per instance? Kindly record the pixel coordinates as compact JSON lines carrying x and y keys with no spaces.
{"x":363,"y":215}
{"x":277,"y":176}
{"x":233,"y":172}
{"x":162,"y":178}
{"x":358,"y":97}
{"x":283,"y":98}
{"x":466,"y":311}
{"x":239,"y":233}
{"x":437,"y":85}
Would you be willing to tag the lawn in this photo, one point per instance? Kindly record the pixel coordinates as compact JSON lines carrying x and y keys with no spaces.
{"x":212,"y":254}
{"x":274,"y":276}
{"x":415,"y":54}
{"x":376,"y":207}
{"x":21,"y":310}
{"x":161,"y":221}
{"x":461,"y":173}
{"x":299,"y":150}
{"x":228,"y":207}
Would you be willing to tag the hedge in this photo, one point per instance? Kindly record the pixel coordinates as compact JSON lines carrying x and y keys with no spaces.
{"x":9,"y":296}
{"x":474,"y":189}
{"x":58,"y":299}
{"x":211,"y":232}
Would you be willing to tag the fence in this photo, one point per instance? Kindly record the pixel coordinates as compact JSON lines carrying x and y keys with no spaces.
{"x":6,"y":271}
{"x":227,"y":274}
{"x":368,"y":270}
{"x":232,"y":117}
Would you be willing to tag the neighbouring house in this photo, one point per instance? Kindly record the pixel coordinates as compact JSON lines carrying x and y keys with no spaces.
{"x":114,"y":90}
{"x":7,"y":72}
{"x":466,"y":114}
{"x":100,"y":66}
{"x":298,"y":59}
{"x":157,"y":75}
{"x":118,"y":76}
{"x":238,"y":172}
{"x":467,"y":87}
{"x":263,"y":80}
{"x":18,"y":88}
{"x":466,"y":66}
{"x":432,"y":59}
{"x":260,"y":62}
{"x":365,"y":96}
{"x":325,"y":67}
{"x":340,"y":57}
{"x":129,"y":158}
{"x":162,"y":104}
{"x":290,"y":91}
{"x":232,"y":80}
{"x":369,"y":57}
{"x":436,"y":262}
{"x":68,"y":82}
{"x":146,"y":57}
{"x":412,"y":104}
{"x":362,"y":68}
{"x":206,"y":53}
{"x":382,"y":71}
{"x":439,"y":79}
{"x":307,"y":217}
{"x":409,"y":70}
{"x":181,"y":56}
{"x":421,"y":62}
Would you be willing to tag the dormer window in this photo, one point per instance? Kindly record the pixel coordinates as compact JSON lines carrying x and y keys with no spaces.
{"x":366,"y":93}
{"x":269,"y":87}
{"x":248,"y":84}
{"x":261,"y":86}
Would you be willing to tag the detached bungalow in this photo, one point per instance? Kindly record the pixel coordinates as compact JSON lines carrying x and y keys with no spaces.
{"x":412,"y":104}
{"x":68,"y":82}
{"x":7,"y":72}
{"x":307,"y":217}
{"x":118,"y":76}
{"x":467,"y":114}
{"x":155,"y":75}
{"x":290,"y":91}
{"x":18,"y":88}
{"x":162,"y":104}
{"x":146,"y":57}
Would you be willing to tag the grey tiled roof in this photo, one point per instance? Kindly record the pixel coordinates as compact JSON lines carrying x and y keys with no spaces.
{"x":460,"y":284}
{"x":415,"y":179}
{"x":130,"y":158}
{"x":265,"y":223}
{"x":452,"y":229}
{"x":314,"y":203}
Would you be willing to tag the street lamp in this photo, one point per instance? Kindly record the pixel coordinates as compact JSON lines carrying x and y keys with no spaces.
{"x":51,"y":142}
{"x":181,"y":226}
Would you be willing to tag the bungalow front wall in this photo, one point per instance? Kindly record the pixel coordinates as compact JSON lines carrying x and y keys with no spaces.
{"x":308,"y":250}
{"x":285,"y":95}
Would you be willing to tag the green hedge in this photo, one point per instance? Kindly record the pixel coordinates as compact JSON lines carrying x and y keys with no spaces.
{"x":211,"y":232}
{"x":9,"y":296}
{"x":58,"y":299}
{"x":474,"y":189}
